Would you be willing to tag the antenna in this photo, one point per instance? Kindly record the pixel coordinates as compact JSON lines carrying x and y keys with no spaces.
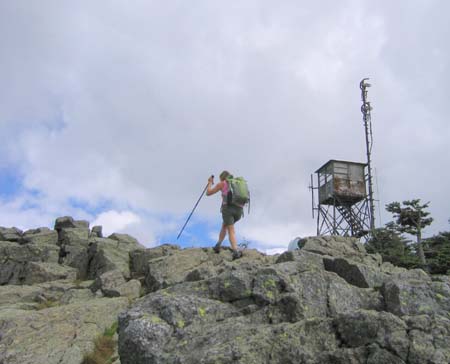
{"x":312,"y":188}
{"x":365,"y":109}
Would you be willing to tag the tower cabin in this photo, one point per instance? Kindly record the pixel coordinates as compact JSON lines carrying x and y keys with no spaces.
{"x":341,"y":183}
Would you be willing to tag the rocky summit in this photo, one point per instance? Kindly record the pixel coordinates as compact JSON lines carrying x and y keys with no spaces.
{"x":328,"y":302}
{"x":60,"y":289}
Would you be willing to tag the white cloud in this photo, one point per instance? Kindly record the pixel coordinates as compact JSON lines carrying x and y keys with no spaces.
{"x":273,"y":235}
{"x":275,"y":251}
{"x":116,"y":221}
{"x":137,"y":105}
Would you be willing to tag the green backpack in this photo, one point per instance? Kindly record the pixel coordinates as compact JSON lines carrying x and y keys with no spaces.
{"x":238,"y":193}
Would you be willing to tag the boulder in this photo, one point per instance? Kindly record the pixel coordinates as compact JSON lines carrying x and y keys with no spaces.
{"x":139,"y":258}
{"x":126,"y":240}
{"x":231,"y":286}
{"x":131,"y":289}
{"x":39,"y":272}
{"x":328,"y":303}
{"x":421,"y":348}
{"x":96,"y":232}
{"x":322,"y":304}
{"x":409,"y":297}
{"x":306,"y":260}
{"x":441,"y":288}
{"x":60,"y":334}
{"x":31,"y":297}
{"x":174,"y":268}
{"x":11,"y":295}
{"x":76,"y":295}
{"x":197,"y":264}
{"x":356,"y":274}
{"x":13,"y":259}
{"x":188,"y":329}
{"x":108,"y":283}
{"x":362,"y":328}
{"x":41,"y":236}
{"x":44,"y":242}
{"x":10,"y":234}
{"x":68,"y":222}
{"x":74,"y":244}
{"x":110,"y":254}
{"x":113,"y":284}
{"x":335,"y":246}
{"x":73,"y":237}
{"x":16,"y":258}
{"x":344,"y":298}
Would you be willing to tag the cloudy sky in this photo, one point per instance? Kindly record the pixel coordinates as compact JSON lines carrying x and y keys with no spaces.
{"x":118,"y":111}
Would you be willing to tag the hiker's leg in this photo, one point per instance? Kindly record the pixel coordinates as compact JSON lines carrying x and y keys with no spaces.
{"x":232,"y":236}
{"x":222,"y":234}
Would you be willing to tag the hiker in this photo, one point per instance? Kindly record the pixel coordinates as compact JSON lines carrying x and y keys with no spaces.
{"x":231,"y":213}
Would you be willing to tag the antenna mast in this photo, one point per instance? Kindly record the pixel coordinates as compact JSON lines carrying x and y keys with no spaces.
{"x":365,"y":109}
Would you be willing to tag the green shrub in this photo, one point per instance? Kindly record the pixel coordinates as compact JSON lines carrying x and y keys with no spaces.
{"x":104,"y":349}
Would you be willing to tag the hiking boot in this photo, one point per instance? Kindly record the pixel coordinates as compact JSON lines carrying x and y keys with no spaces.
{"x":236,"y":254}
{"x":217,"y":248}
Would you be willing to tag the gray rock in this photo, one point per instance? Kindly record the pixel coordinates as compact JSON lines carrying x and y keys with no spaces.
{"x":336,"y":246}
{"x":28,"y":297}
{"x":74,"y":244}
{"x":74,"y":237}
{"x":377,"y":355}
{"x":12,"y":294}
{"x":76,"y":295}
{"x":421,"y":348}
{"x":344,"y":298}
{"x":187,"y":329}
{"x":139,"y":258}
{"x":108,"y":254}
{"x":109,"y":282}
{"x":41,"y":236}
{"x":356,"y":274}
{"x":230,"y":286}
{"x":174,"y":268}
{"x":409,"y":297}
{"x":131,"y":289}
{"x":267,"y":304}
{"x":39,"y":272}
{"x":10,"y":234}
{"x":125,"y":239}
{"x":441,"y":289}
{"x":68,"y":222}
{"x":362,"y":328}
{"x":61,"y":334}
{"x":96,"y":232}
{"x":16,"y":258}
{"x":113,"y":284}
{"x":440,"y":329}
{"x":197,"y":264}
{"x":306,"y":260}
{"x":322,"y":304}
{"x":11,"y":272}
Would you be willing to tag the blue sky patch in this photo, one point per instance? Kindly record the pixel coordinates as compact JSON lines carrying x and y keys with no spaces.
{"x":10,"y":183}
{"x":195,"y":234}
{"x":92,"y":209}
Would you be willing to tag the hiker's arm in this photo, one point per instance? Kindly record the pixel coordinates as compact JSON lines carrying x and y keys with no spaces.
{"x":212,"y":190}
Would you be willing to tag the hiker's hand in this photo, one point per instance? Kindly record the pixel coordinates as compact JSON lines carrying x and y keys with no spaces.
{"x":211,"y":180}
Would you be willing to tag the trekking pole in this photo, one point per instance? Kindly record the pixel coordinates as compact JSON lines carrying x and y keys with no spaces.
{"x":193,"y":209}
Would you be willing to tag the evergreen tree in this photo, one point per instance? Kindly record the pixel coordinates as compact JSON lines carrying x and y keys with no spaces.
{"x":392,"y":247}
{"x":411,"y":218}
{"x":437,"y":252}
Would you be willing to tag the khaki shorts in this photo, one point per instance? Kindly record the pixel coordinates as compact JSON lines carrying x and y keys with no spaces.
{"x":231,"y":214}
